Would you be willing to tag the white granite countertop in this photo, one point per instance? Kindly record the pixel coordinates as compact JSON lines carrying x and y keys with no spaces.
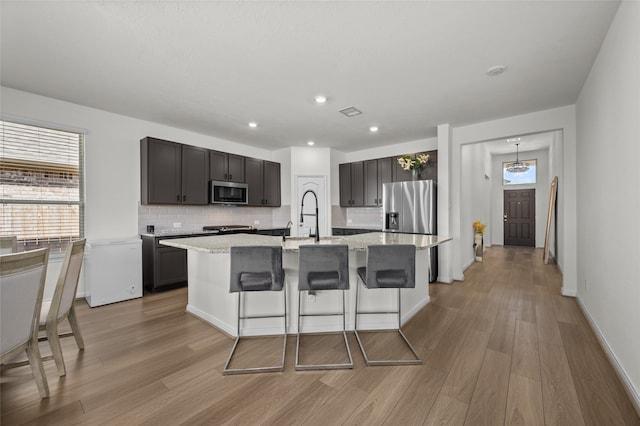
{"x":221,"y":243}
{"x":174,"y":233}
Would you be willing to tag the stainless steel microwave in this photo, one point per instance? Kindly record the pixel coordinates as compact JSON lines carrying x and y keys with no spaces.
{"x":228,"y":192}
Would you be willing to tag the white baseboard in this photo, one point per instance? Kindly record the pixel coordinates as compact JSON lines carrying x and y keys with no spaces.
{"x":211,"y":320}
{"x":565,"y":292}
{"x":268,"y":331}
{"x":622,"y":374}
{"x":444,"y":279}
{"x":468,"y":264}
{"x":406,"y":317}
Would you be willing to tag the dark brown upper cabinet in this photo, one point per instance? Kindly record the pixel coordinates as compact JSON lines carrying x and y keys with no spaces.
{"x":376,"y":172}
{"x":398,"y":173}
{"x":427,"y":171}
{"x":226,"y":167}
{"x":263,"y":180}
{"x":172,"y":173}
{"x":195,"y":170}
{"x":351,"y":176}
{"x":430,"y":170}
{"x":272,"y":190}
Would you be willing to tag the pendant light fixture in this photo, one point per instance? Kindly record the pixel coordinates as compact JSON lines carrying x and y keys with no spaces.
{"x":518,"y":166}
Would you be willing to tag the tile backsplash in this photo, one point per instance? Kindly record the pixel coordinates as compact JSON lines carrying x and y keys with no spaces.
{"x":357,"y":216}
{"x":193,"y":218}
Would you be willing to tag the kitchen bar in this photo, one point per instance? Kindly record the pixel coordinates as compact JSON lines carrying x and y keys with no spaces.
{"x":208,"y":290}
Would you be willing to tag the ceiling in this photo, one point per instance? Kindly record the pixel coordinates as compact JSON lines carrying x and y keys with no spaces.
{"x":533,"y":142}
{"x":211,"y":67}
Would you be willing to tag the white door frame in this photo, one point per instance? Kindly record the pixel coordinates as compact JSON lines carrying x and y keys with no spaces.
{"x":323,"y":203}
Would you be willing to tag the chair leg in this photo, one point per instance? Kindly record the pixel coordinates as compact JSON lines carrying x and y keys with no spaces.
{"x":74,"y":326}
{"x":228,"y":371}
{"x":56,"y":348}
{"x":416,"y":361}
{"x":35,"y":361}
{"x":299,"y":366}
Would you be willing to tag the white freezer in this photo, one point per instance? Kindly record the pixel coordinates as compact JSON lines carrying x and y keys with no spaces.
{"x":113,"y":270}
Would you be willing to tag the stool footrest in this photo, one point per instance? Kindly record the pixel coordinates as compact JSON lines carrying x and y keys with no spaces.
{"x":262,"y":316}
{"x":416,"y":361}
{"x":337,"y":366}
{"x":323,"y":314}
{"x":273,"y":368}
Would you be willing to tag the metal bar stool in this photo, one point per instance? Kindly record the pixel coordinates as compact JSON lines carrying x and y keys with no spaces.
{"x":323,"y":267}
{"x":388,"y":266}
{"x":255,"y":269}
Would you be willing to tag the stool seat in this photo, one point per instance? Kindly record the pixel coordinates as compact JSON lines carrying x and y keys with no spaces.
{"x":329,"y":280}
{"x":255,"y":281}
{"x":390,"y":278}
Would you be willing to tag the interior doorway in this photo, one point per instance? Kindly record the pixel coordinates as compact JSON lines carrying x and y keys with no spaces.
{"x":520,"y":217}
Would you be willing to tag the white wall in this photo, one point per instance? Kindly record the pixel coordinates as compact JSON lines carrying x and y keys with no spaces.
{"x":391,"y":150}
{"x":112,"y":157}
{"x":475,"y":198}
{"x":608,"y":128}
{"x":310,"y":162}
{"x":542,"y":194}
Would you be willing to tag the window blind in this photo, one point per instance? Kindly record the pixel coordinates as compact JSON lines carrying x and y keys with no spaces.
{"x":41,"y":185}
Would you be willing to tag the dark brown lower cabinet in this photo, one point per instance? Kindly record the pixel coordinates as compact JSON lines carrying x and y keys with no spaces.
{"x":351,"y":231}
{"x":163,"y":267}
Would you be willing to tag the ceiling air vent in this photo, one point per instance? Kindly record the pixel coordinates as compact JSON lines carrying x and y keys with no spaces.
{"x":350,"y":111}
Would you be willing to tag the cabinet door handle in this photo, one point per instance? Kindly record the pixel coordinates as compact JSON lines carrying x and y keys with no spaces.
{"x":226,"y":176}
{"x":184,"y":198}
{"x":178,"y":197}
{"x":230,"y":177}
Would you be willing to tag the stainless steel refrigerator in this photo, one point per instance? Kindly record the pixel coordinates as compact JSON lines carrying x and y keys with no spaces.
{"x":410,"y":207}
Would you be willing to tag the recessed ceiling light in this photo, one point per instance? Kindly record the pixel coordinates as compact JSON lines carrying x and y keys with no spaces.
{"x":512,"y":140}
{"x":373,"y":129}
{"x":310,"y":143}
{"x":496,"y":70}
{"x":320,"y":99}
{"x":253,"y":124}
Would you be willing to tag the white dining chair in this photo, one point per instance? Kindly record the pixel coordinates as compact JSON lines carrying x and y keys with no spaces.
{"x":61,"y":306}
{"x":22,"y":277}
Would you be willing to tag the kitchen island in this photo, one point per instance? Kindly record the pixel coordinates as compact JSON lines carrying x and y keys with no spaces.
{"x":208,"y":289}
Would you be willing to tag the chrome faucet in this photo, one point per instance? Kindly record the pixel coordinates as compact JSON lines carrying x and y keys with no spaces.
{"x":302,"y":214}
{"x":284,"y":234}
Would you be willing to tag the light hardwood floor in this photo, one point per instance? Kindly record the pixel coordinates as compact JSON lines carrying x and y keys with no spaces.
{"x":502,"y":347}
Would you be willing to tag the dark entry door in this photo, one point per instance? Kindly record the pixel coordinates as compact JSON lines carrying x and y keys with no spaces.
{"x":520,"y":217}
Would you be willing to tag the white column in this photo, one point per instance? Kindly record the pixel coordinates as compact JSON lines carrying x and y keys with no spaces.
{"x":445,"y":251}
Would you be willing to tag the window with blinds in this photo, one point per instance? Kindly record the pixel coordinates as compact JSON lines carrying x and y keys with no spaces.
{"x":41,"y":186}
